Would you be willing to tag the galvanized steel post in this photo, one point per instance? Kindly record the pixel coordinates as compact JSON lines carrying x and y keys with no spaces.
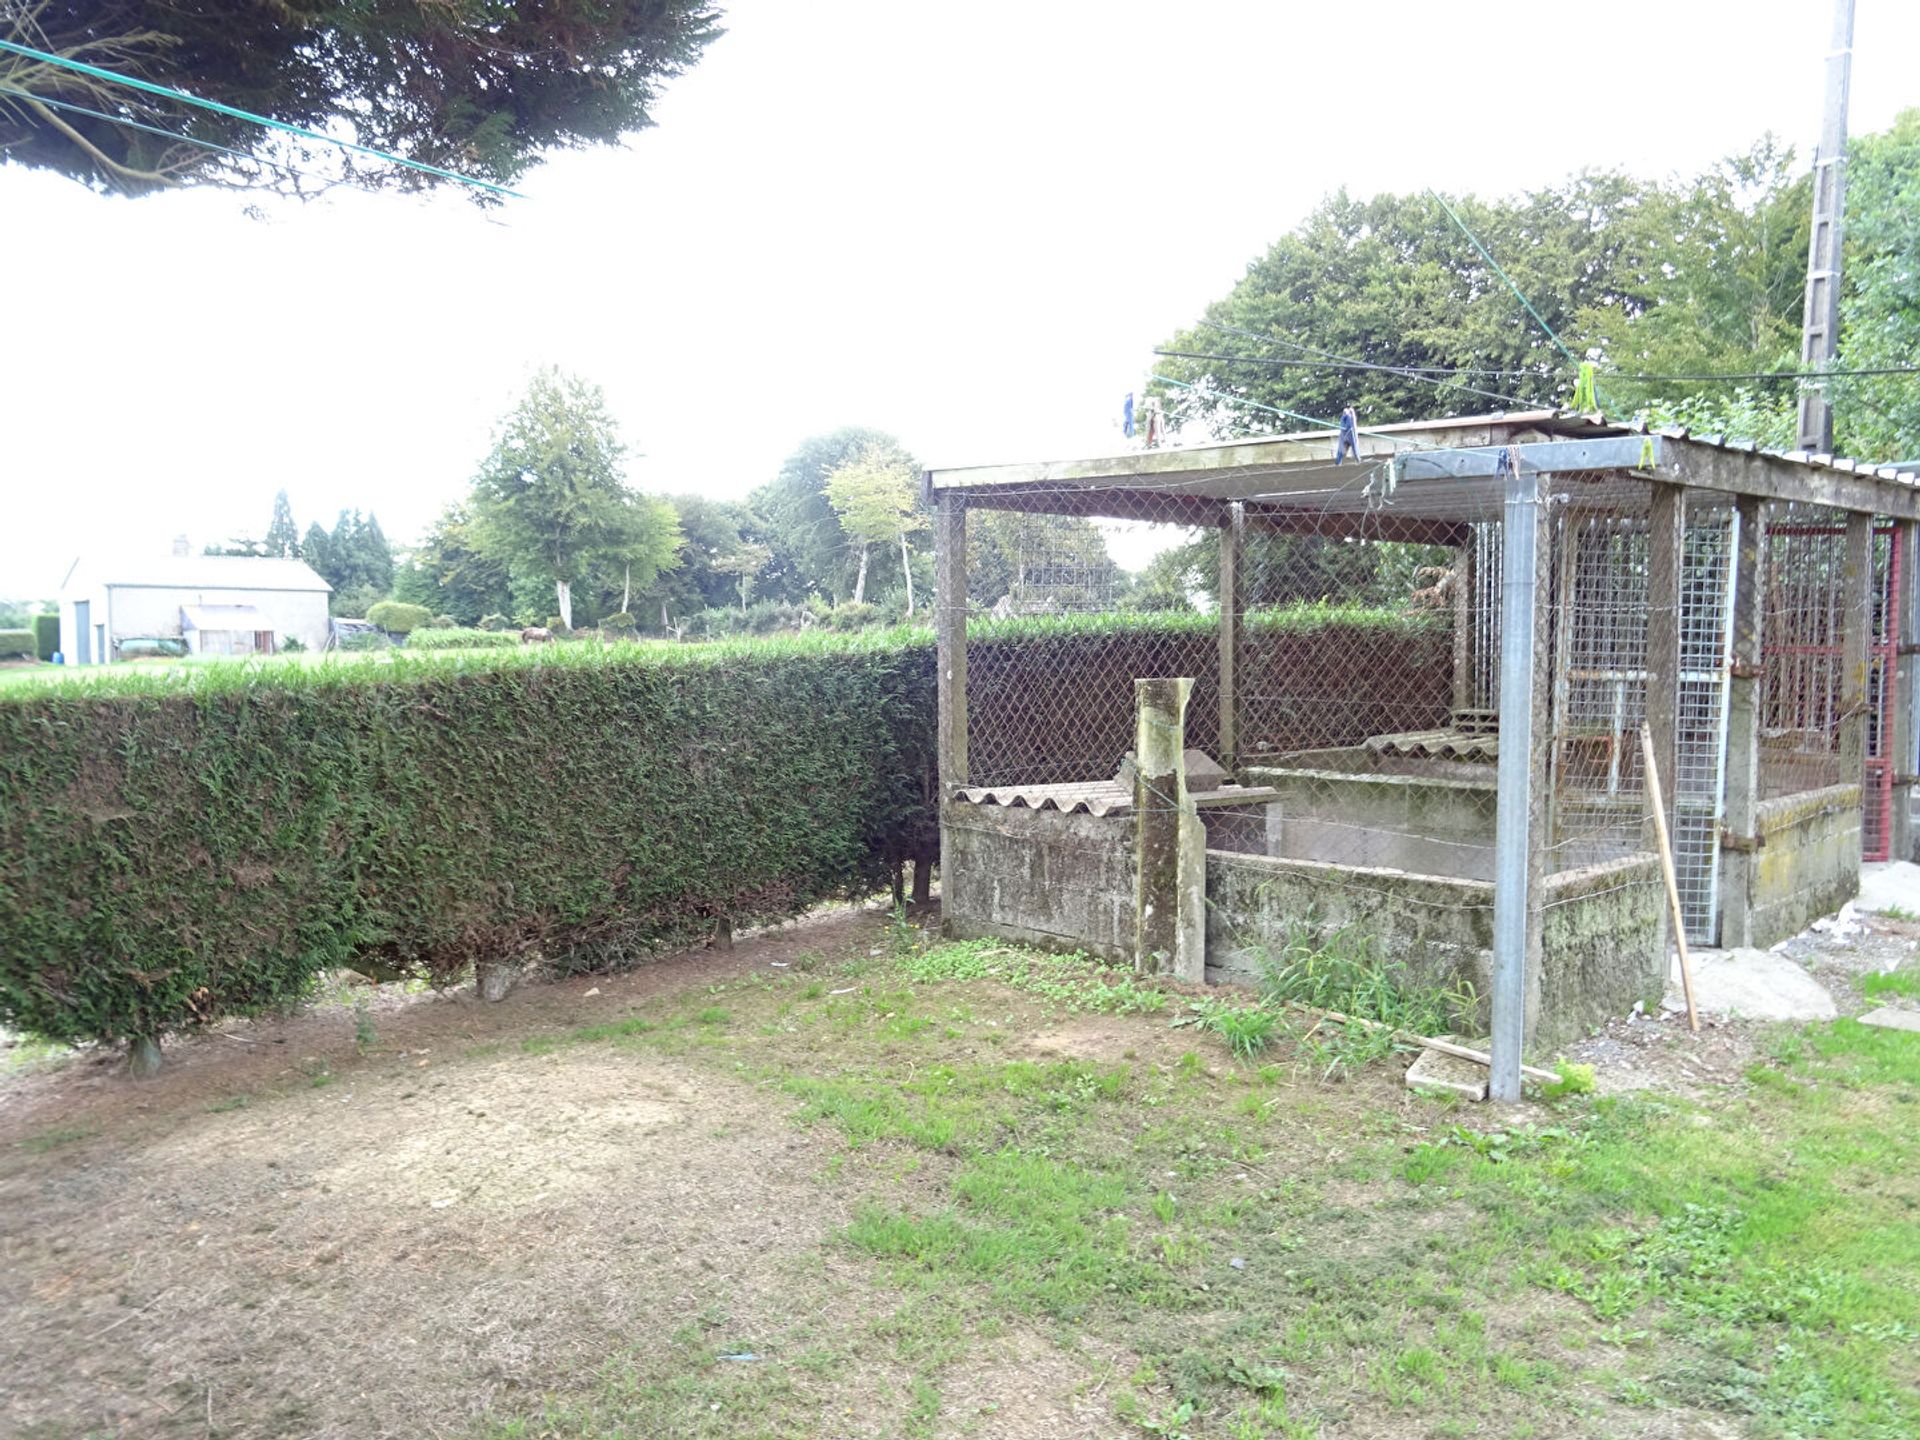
{"x":1517,"y":847}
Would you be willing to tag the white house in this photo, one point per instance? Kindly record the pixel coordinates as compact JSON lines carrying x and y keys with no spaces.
{"x":210,"y":604}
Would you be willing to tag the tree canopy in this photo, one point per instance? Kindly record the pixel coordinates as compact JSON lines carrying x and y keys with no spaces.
{"x":1685,"y":277}
{"x":812,"y":552}
{"x":551,"y":497}
{"x":475,"y":86}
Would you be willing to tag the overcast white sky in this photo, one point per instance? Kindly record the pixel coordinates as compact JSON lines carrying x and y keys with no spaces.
{"x":966,"y":224}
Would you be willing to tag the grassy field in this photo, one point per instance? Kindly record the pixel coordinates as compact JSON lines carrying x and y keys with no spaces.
{"x":867,"y":1186}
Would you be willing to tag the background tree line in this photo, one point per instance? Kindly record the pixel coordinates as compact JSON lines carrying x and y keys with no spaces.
{"x":1683,"y":277}
{"x":1379,"y":303}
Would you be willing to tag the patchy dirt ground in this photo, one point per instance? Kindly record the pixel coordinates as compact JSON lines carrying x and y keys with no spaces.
{"x":785,"y":1191}
{"x":268,"y":1236}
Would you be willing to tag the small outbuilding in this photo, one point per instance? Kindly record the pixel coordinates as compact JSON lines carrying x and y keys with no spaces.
{"x":1433,"y":655}
{"x":189,"y":604}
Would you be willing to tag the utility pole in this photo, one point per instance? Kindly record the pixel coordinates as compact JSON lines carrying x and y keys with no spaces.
{"x":1820,"y":335}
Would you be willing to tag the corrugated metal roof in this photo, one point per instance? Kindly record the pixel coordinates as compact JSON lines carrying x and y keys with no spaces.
{"x":198,"y":572}
{"x":1091,"y":797}
{"x":1097,"y":797}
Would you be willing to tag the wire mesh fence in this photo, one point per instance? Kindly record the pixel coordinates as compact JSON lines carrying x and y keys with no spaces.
{"x":1804,"y":707}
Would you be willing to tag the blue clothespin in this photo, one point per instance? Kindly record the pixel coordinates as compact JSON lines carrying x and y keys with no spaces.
{"x":1349,"y":441}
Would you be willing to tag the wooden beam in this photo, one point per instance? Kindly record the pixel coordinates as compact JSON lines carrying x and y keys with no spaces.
{"x":1155,"y":505}
{"x":1772,"y":477}
{"x":1901,"y":755}
{"x":1232,"y":635}
{"x":1375,"y":525}
{"x":950,"y":639}
{"x":1743,"y":726}
{"x":1856,"y":640}
{"x":1666,"y":524}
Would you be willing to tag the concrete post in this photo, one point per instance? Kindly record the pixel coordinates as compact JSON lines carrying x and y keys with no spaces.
{"x":1519,"y":826}
{"x":1170,"y":870}
{"x":1856,"y":641}
{"x":1737,"y":855}
{"x":1665,"y":527}
{"x":1902,"y":753}
{"x":1463,"y":625}
{"x":1233,"y":536}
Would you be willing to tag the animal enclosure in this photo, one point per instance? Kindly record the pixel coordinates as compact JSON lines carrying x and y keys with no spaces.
{"x":1418,"y":718}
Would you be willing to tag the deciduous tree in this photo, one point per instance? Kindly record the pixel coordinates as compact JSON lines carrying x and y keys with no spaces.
{"x":551,"y":497}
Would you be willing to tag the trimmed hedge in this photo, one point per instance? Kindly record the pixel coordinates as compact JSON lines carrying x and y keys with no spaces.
{"x":17,"y":643}
{"x":46,"y":635}
{"x":181,"y":843}
{"x":397,"y":617}
{"x":457,"y":638}
{"x":178,"y":853}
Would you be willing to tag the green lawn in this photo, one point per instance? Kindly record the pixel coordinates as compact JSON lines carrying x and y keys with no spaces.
{"x":1222,"y":1246}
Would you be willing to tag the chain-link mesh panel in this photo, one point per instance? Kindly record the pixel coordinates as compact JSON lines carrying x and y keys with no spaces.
{"x":1804,"y":648}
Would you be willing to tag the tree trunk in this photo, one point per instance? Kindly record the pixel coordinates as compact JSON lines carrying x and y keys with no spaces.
{"x":922,"y":881}
{"x":860,"y":581}
{"x":626,"y":590}
{"x":906,"y":571}
{"x":563,"y":593}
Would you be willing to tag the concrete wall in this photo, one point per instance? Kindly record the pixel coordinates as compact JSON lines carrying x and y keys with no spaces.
{"x":1421,"y":824}
{"x":1066,"y":882}
{"x":1806,"y":864}
{"x":1604,"y":930}
{"x":1039,"y":877}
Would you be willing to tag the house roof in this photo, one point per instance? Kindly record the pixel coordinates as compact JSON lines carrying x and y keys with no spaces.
{"x":197,"y":572}
{"x":1418,"y":470}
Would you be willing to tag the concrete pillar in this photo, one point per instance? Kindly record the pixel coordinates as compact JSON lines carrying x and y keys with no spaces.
{"x":1744,"y":681}
{"x":1233,"y":536}
{"x":1525,"y":732}
{"x":1666,"y":522}
{"x":1170,"y":843}
{"x":1902,"y":753}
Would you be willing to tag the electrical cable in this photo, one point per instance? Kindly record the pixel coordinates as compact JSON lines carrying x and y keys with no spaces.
{"x":1487,"y":256}
{"x":80,"y":67}
{"x":1342,"y":362}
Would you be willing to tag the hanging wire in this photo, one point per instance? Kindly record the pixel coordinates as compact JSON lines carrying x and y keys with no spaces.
{"x":161,"y":131}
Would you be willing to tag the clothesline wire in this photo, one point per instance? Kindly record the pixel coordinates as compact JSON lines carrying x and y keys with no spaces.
{"x":96,"y":72}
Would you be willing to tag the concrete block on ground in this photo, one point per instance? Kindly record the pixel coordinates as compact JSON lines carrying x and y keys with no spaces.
{"x":1754,"y":985}
{"x":1437,"y":1073}
{"x":1887,"y":1018}
{"x":1889,"y":885}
